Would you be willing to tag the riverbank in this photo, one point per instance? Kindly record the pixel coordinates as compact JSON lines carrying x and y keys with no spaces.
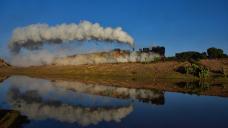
{"x":158,"y":75}
{"x":122,"y":71}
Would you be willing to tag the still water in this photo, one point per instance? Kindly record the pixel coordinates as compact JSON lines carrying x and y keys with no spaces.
{"x":71,"y":104}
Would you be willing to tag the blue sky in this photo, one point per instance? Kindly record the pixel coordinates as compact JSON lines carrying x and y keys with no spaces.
{"x":179,"y":25}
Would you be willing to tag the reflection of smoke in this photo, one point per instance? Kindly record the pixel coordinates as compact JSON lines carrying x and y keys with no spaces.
{"x":106,"y":57}
{"x":32,"y":105}
{"x":145,"y":95}
{"x":64,"y":87}
{"x":36,"y":35}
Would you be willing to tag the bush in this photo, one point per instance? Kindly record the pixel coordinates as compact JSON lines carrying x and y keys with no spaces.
{"x":190,"y":55}
{"x":203,"y":73}
{"x":196,"y":70}
{"x":215,"y":52}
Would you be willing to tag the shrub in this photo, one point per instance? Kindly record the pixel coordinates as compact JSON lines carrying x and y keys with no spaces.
{"x":215,"y":52}
{"x":196,"y":70}
{"x":203,"y":73}
{"x":190,"y":55}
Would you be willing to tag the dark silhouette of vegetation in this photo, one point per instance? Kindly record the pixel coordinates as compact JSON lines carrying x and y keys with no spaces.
{"x":195,"y":87}
{"x":215,"y":53}
{"x":193,"y":56}
{"x":190,"y":55}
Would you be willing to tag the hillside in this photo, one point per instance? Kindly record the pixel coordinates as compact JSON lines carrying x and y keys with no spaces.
{"x":120,"y":71}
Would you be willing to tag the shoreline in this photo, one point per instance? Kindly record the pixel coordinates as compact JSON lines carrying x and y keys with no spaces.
{"x":122,"y":71}
{"x":157,"y":75}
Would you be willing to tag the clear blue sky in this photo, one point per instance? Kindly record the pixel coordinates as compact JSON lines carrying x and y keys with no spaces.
{"x":179,"y":25}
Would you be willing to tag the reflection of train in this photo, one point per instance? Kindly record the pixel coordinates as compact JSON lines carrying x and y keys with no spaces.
{"x":145,"y":95}
{"x":41,"y":99}
{"x":33,"y":106}
{"x":63,"y":87}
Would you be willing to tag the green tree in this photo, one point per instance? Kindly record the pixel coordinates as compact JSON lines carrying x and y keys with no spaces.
{"x":215,"y":52}
{"x":190,"y":55}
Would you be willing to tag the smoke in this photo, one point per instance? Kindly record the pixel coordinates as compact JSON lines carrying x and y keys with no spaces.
{"x":33,"y":106}
{"x":31,"y":58}
{"x":28,"y":45}
{"x":45,"y":57}
{"x":106,"y":57}
{"x":35,"y":36}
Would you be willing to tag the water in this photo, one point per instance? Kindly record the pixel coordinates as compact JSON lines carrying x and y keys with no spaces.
{"x":70,"y":104}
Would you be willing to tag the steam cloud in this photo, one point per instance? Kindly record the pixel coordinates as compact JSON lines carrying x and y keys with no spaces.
{"x":36,"y":35}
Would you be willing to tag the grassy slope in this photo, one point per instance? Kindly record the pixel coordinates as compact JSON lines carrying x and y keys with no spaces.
{"x":157,"y":75}
{"x":137,"y":71}
{"x":153,"y":70}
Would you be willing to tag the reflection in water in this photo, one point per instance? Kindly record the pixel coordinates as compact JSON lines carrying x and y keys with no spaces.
{"x":40,"y":99}
{"x":3,"y":77}
{"x":194,"y":84}
{"x":11,"y":119}
{"x":145,"y":95}
{"x":32,"y":105}
{"x":196,"y":87}
{"x":76,"y":104}
{"x":63,"y":87}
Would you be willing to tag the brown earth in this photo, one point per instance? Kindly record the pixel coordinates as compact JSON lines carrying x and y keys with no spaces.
{"x":138,"y":71}
{"x":158,"y":75}
{"x":216,"y":65}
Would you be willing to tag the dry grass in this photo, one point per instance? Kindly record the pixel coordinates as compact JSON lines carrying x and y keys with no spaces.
{"x":139,"y":71}
{"x":215,"y":64}
{"x":157,"y":75}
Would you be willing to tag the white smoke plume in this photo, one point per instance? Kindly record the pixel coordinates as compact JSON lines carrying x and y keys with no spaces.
{"x":44,"y":57}
{"x":31,"y":58}
{"x":28,"y":45}
{"x":36,"y":35}
{"x":106,"y":57}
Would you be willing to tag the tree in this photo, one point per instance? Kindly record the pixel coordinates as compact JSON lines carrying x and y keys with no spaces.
{"x":215,"y":52}
{"x":190,"y":55}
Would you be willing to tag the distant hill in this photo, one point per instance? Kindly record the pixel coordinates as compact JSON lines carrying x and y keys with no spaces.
{"x":3,"y":63}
